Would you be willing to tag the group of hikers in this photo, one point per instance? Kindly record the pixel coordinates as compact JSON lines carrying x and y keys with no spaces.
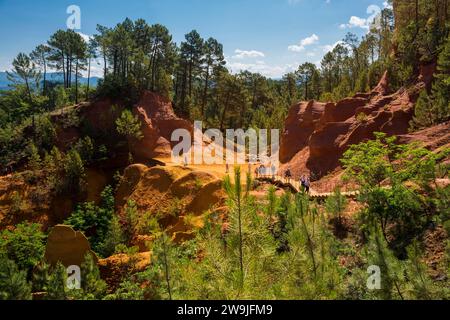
{"x":266,"y":171}
{"x":305,"y":181}
{"x":262,"y":171}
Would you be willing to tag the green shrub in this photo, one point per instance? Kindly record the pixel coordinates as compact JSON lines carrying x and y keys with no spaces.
{"x":25,"y":245}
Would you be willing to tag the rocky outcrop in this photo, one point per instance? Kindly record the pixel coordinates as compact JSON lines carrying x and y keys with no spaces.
{"x":301,"y":122}
{"x":434,"y":138}
{"x":317,"y":134}
{"x":98,"y":119}
{"x":115,"y":268}
{"x":179,"y":195}
{"x":67,"y":246}
{"x":158,"y":123}
{"x":23,"y":197}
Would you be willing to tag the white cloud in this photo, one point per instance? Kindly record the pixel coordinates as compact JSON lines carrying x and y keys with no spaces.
{"x":270,"y":71}
{"x":313,"y":39}
{"x":364,"y":23}
{"x":85,"y":37}
{"x":242,"y":54}
{"x":358,"y":22}
{"x":386,"y":5}
{"x":329,"y":47}
{"x":96,"y":69}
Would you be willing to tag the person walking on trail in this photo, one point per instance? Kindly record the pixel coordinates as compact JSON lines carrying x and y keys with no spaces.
{"x":288,"y":175}
{"x":186,"y":161}
{"x":262,"y":170}
{"x":307,"y":184}
{"x":303,"y":182}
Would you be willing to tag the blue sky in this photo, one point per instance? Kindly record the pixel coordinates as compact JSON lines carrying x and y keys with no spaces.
{"x":267,"y":36}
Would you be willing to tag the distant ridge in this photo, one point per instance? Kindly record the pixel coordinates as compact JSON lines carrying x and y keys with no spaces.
{"x":53,"y":76}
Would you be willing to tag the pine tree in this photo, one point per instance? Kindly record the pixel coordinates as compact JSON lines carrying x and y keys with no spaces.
{"x":41,"y":277}
{"x":163,"y":255}
{"x":34,"y":159}
{"x":13,"y":282}
{"x":57,"y":286}
{"x":92,"y":285}
{"x":392,"y":271}
{"x":441,"y":87}
{"x":113,"y":238}
{"x":336,"y":204}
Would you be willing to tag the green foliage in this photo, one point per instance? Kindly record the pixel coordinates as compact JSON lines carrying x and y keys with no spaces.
{"x":129,"y":289}
{"x":395,"y":186}
{"x":41,"y":277}
{"x":34,"y":159}
{"x":95,"y":221}
{"x":131,"y":221}
{"x":73,"y":171}
{"x":336,"y":204}
{"x":13,"y":282}
{"x":129,"y":126}
{"x":25,"y":245}
{"x":57,"y":285}
{"x":423,"y":114}
{"x":92,"y":286}
{"x":378,"y":254}
{"x":163,"y":260}
{"x":113,"y":238}
{"x":434,"y":109}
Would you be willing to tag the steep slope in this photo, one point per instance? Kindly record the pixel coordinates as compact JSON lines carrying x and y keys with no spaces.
{"x":179,"y":195}
{"x":158,"y":123}
{"x":317,"y":134}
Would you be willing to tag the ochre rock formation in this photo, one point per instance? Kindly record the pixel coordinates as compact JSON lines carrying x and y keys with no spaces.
{"x":23,"y":199}
{"x":317,"y":134}
{"x":67,"y":246}
{"x":158,"y":123}
{"x":172,"y":192}
{"x":301,"y":122}
{"x":115,"y":268}
{"x":24,"y":196}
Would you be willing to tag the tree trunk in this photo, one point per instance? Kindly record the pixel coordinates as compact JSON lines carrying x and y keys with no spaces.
{"x":224,"y":112}
{"x":76,"y":81}
{"x":45,"y":78}
{"x":64,"y":69}
{"x":183,"y":90}
{"x":190,"y":80}
{"x":88,"y":80}
{"x":241,"y":250}
{"x":27,"y":84}
{"x":306,"y":91}
{"x":205,"y":91}
{"x":166,"y":267}
{"x":104,"y":65}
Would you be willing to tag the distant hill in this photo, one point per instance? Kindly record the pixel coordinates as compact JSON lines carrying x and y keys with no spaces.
{"x":54,"y":77}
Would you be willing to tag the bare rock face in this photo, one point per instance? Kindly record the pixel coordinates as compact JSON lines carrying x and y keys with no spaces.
{"x":318,"y":134}
{"x":180,"y":195}
{"x":115,"y":268}
{"x":67,"y":246}
{"x":300,"y":124}
{"x":158,"y":123}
